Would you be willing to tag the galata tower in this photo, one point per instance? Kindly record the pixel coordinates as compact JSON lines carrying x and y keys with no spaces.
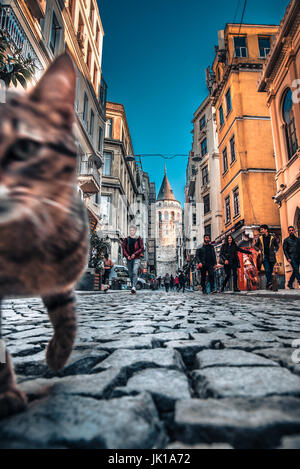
{"x":169,"y":253}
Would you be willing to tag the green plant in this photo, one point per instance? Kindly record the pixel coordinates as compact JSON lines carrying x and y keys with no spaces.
{"x":14,"y":68}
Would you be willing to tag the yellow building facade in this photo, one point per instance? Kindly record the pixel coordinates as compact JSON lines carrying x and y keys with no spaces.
{"x":247,"y":162}
{"x":280,"y":81}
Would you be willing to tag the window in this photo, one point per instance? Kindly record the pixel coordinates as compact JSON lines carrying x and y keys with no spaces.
{"x":89,"y":56}
{"x":100,"y":140}
{"x":96,"y":198}
{"x":207,"y":230}
{"x":232,"y":149}
{"x":206,"y":203}
{"x":92,"y":122}
{"x":202,"y":122}
{"x":92,"y":12}
{"x":225,"y":160}
{"x":240,"y":46}
{"x":193,"y":170}
{"x":108,"y":128}
{"x":71,"y":7}
{"x":264,"y":46}
{"x":107,"y":164}
{"x":289,"y":119}
{"x":236,"y":202}
{"x":166,"y":216}
{"x":54,"y":34}
{"x":204,"y":147}
{"x":159,"y":217}
{"x":194,"y":218}
{"x":106,"y":209}
{"x":95,"y":76}
{"x":205,"y":175}
{"x":97,"y":37}
{"x":228,"y":101}
{"x":221,"y":116}
{"x":85,"y":107}
{"x":103,"y":93}
{"x":227,"y":209}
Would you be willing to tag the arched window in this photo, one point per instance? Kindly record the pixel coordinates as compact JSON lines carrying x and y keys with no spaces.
{"x":289,"y":120}
{"x":166,"y":216}
{"x":159,"y":217}
{"x":172,"y":216}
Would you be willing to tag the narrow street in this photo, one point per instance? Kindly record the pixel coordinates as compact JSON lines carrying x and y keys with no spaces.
{"x":159,"y":370}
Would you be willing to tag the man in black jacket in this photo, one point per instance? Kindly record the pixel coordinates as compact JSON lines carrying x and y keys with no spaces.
{"x":291,"y":250}
{"x":207,"y":261}
{"x":268,"y":246}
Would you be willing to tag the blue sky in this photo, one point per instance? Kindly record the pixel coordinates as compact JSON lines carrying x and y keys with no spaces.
{"x":154,"y":59}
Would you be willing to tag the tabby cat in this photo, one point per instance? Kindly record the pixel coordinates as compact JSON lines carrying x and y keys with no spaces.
{"x":43,"y":223}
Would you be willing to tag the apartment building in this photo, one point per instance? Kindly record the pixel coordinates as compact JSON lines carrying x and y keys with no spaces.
{"x":203,"y":211}
{"x":247,"y":163}
{"x":44,"y":29}
{"x":119,"y":181}
{"x":280,"y":82}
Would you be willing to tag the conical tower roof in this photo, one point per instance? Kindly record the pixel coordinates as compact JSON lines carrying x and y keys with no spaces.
{"x":165,"y":192}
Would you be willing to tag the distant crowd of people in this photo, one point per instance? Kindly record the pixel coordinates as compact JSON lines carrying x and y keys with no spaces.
{"x":213,"y":274}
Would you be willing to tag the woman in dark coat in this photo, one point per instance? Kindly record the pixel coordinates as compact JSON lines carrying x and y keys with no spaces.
{"x":230,"y":259}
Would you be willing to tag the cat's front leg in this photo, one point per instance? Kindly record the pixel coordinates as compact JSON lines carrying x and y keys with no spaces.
{"x":61,"y":311}
{"x":12,"y":399}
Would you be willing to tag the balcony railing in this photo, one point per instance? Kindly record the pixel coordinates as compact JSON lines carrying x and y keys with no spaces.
{"x":11,"y":27}
{"x":88,"y":177}
{"x":85,"y":168}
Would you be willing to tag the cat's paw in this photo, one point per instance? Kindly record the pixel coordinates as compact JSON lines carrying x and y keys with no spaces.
{"x":57,"y":354}
{"x":12,"y":401}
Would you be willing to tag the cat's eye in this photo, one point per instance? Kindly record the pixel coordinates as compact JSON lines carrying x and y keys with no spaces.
{"x":22,"y":149}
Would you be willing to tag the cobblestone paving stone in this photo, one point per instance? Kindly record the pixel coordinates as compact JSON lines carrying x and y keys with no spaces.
{"x":159,"y":370}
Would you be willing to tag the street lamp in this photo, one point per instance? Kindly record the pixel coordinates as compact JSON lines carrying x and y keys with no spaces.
{"x":197,"y":158}
{"x":130,"y":158}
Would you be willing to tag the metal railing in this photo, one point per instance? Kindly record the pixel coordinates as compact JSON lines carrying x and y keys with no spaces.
{"x":86,"y":168}
{"x":12,"y":28}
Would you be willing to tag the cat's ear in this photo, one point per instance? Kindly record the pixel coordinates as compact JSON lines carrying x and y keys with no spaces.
{"x":57,"y":85}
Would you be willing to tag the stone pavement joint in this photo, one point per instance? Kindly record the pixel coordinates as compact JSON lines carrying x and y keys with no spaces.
{"x":159,"y":370}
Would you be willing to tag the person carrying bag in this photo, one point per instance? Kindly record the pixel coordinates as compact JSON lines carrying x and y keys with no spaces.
{"x":230,"y":259}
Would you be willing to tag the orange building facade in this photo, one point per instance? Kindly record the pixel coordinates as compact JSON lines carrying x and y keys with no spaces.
{"x":247,"y":163}
{"x":281,"y":80}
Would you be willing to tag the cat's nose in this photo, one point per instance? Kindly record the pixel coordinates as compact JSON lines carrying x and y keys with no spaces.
{"x":3,"y":191}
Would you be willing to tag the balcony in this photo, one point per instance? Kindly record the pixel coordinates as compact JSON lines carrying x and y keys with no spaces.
{"x":88,"y":177}
{"x":15,"y":34}
{"x":37,"y":8}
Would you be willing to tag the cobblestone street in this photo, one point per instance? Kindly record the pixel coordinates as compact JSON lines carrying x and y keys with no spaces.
{"x":159,"y":370}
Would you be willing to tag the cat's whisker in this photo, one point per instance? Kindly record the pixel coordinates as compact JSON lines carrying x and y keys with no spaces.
{"x":56,"y":205}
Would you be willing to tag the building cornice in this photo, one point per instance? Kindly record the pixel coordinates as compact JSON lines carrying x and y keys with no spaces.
{"x":279,"y":46}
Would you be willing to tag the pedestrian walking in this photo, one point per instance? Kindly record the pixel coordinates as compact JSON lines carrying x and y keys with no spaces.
{"x":159,"y":282}
{"x":230,"y":259}
{"x":171,"y":282}
{"x":207,"y":261}
{"x":267,"y":245}
{"x":176,"y":282}
{"x":108,"y":265}
{"x":291,"y":249}
{"x":219,"y":276}
{"x":167,"y":282}
{"x":133,"y":249}
{"x":181,"y":282}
